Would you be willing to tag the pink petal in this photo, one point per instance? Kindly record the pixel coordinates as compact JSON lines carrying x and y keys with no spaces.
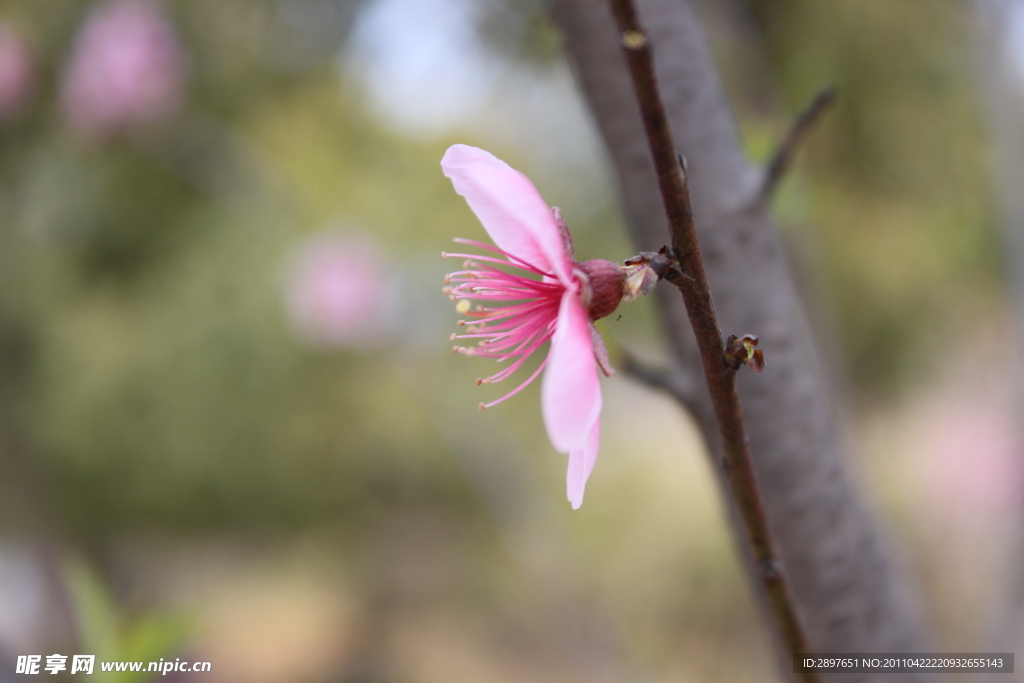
{"x":512,"y":211}
{"x":581,"y":464}
{"x":571,"y":392}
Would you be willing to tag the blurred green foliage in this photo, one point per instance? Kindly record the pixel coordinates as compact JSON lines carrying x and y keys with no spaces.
{"x":108,"y":635}
{"x":165,"y":387}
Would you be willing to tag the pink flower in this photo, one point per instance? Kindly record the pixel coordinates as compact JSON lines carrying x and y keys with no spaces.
{"x":541,"y":295}
{"x":334,"y":294}
{"x":127,"y":69}
{"x":17,"y":72}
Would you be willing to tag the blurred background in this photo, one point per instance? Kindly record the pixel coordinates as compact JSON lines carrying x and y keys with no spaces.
{"x":231,"y":425}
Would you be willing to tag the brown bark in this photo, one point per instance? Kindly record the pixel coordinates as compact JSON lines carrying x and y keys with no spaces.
{"x":849,"y":597}
{"x":720,"y":368}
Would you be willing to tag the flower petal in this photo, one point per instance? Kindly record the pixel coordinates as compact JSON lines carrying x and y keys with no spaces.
{"x":581,"y":464}
{"x":511,"y":209}
{"x":571,"y":392}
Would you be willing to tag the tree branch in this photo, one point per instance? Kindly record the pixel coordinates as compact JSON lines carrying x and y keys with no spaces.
{"x":673,"y":382}
{"x":849,"y":596}
{"x":693,"y":285}
{"x":778,"y":165}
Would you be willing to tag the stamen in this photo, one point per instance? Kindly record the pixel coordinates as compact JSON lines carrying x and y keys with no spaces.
{"x":512,"y":260}
{"x":517,"y":389}
{"x":523,"y":315}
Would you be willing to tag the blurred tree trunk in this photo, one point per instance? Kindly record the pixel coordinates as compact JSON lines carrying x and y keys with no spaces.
{"x":848,"y":595}
{"x":1000,"y":45}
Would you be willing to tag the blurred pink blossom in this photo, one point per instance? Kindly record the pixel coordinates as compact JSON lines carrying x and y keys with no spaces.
{"x":974,"y":460}
{"x":539,"y":294}
{"x":17,"y":72}
{"x":127,"y":68}
{"x":337,"y":292}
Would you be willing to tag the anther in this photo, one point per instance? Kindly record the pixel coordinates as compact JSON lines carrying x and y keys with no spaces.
{"x":444,"y":254}
{"x":482,"y":406}
{"x":453,"y":337}
{"x":461,"y":323}
{"x":479,"y":382}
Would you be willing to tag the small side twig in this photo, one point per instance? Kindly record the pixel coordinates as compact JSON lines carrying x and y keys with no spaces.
{"x":780,"y":161}
{"x":720,"y":376}
{"x":668,"y":380}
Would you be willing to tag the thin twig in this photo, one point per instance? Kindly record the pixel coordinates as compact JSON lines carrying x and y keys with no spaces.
{"x":777,"y":166}
{"x":693,"y":284}
{"x":671,"y":381}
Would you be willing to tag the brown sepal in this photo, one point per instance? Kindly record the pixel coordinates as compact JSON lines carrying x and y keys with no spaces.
{"x":740,"y":350}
